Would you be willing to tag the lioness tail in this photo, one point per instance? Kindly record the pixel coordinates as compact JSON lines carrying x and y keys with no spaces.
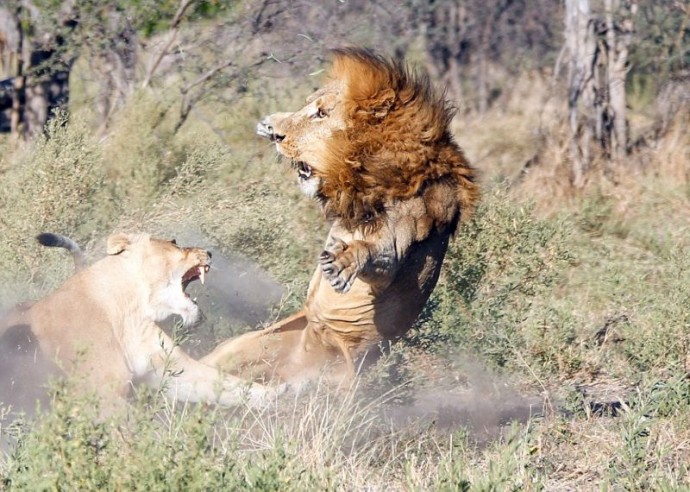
{"x":59,"y":241}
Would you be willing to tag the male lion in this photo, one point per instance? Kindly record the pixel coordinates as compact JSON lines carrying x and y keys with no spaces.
{"x":373,"y":147}
{"x":100,"y":325}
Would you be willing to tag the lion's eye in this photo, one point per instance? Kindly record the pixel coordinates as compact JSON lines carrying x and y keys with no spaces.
{"x":320,"y":113}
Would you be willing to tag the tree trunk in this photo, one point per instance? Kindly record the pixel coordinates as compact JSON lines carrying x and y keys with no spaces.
{"x":19,"y":81}
{"x":35,"y":82}
{"x":618,"y":39}
{"x":482,"y":82}
{"x":116,"y":78}
{"x":444,"y":33}
{"x":597,"y":69}
{"x":494,"y":12}
{"x":583,"y":109}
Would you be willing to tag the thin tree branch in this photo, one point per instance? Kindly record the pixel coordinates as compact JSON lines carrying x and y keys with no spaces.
{"x":206,"y":76}
{"x":175,"y":27}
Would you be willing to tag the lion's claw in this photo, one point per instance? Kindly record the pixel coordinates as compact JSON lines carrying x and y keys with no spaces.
{"x":337,"y":265}
{"x":340,"y":285}
{"x":326,"y":256}
{"x":335,"y":246}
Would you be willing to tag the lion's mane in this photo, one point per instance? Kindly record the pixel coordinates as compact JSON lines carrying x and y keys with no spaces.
{"x":397,"y":143}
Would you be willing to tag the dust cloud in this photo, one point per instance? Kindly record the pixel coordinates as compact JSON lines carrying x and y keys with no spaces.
{"x":24,"y":377}
{"x":236,"y":289}
{"x":482,"y":403}
{"x":240,"y":291}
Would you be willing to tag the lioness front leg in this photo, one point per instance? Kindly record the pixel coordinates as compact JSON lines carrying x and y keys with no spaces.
{"x":190,"y":380}
{"x":186,"y":379}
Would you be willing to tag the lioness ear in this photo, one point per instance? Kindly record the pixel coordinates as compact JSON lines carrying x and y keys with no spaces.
{"x":117,"y":243}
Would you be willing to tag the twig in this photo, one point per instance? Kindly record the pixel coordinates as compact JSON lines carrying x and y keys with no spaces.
{"x":175,"y":26}
{"x":203,"y":78}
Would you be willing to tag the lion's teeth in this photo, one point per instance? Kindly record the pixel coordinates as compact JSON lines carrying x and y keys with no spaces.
{"x":202,"y":275}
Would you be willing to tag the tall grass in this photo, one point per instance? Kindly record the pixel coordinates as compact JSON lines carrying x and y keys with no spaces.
{"x":317,"y":441}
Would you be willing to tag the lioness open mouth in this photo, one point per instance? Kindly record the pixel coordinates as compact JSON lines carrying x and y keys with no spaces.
{"x":197,"y":272}
{"x":304,"y":170}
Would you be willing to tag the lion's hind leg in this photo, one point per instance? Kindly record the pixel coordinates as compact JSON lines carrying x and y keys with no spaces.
{"x":260,"y":355}
{"x":293,"y":351}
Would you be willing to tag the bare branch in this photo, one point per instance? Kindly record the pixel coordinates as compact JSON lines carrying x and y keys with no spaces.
{"x":206,"y":76}
{"x":175,"y":27}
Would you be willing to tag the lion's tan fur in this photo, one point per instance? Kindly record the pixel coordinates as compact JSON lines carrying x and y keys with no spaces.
{"x":101,"y":324}
{"x":375,"y":150}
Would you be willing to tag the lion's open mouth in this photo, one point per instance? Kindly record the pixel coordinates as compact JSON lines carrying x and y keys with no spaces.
{"x":197,"y":272}
{"x":304,"y":170}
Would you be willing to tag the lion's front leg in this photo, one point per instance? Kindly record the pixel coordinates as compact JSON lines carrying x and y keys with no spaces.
{"x":342,"y":262}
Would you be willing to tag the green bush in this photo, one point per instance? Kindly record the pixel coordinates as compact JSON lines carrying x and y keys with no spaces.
{"x":497,"y":271}
{"x":56,"y":184}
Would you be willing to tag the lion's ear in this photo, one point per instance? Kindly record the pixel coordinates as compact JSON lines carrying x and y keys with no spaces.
{"x":381,"y":103}
{"x":117,"y":243}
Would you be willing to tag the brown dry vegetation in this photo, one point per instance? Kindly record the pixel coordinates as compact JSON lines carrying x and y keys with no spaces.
{"x":553,"y":355}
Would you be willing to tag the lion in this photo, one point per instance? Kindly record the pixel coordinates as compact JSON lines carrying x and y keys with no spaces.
{"x":101,"y":324}
{"x":373,"y":148}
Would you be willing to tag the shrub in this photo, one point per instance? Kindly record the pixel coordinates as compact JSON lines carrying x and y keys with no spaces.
{"x":498,"y":268}
{"x":55,"y":184}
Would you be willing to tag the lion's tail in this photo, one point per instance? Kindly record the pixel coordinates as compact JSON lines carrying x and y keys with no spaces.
{"x":59,"y":241}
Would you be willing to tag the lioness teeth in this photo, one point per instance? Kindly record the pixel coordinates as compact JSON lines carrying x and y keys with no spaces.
{"x":202,"y":275}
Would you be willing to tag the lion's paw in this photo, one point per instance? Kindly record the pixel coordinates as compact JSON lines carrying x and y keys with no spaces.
{"x":339,"y":266}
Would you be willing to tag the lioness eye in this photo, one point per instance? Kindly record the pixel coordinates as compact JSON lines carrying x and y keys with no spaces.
{"x":320,"y":113}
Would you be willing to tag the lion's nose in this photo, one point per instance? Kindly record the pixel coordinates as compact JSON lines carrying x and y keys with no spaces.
{"x":209,"y":256}
{"x":265,"y":129}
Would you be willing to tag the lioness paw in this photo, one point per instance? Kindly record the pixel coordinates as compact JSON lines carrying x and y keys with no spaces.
{"x":259,"y":396}
{"x":339,"y":265}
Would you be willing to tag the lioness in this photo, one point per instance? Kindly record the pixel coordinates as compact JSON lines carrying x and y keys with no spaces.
{"x":374,"y":149}
{"x":101,"y":323}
